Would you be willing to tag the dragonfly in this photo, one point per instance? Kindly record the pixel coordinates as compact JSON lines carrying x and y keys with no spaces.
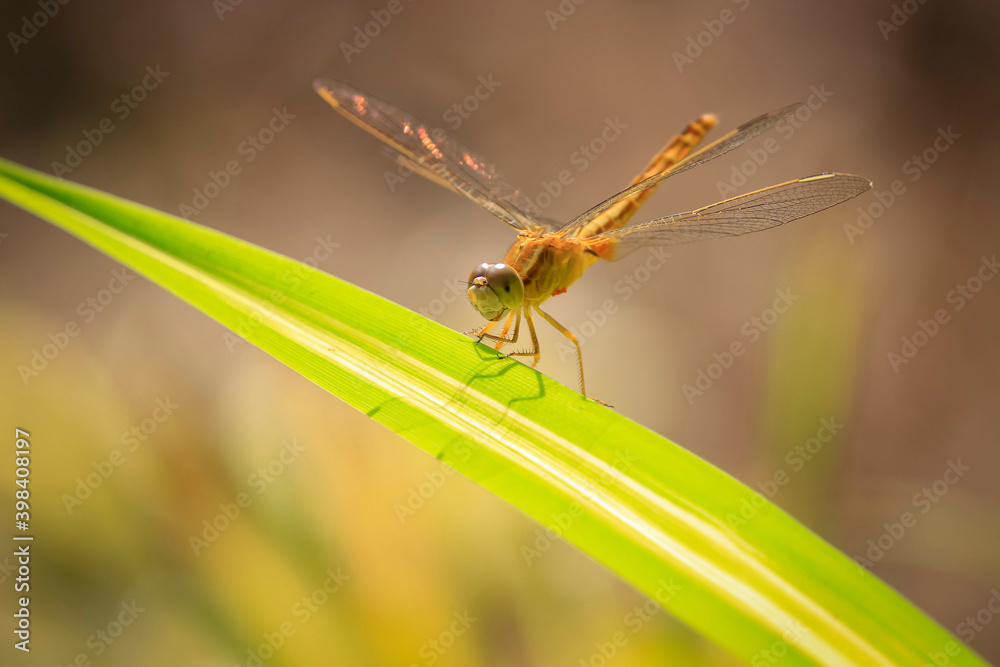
{"x":547,"y":257}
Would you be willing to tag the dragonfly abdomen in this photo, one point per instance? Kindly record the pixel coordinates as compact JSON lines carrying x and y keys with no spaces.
{"x":676,"y":150}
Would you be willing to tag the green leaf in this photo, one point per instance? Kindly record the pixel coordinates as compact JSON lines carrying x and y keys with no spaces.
{"x":712,"y":551}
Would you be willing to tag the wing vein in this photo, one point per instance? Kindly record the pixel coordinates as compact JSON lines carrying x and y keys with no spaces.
{"x":435,"y":152}
{"x":754,"y":211}
{"x":723,"y":145}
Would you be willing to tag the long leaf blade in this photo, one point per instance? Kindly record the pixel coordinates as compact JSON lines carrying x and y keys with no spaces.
{"x":651,"y":511}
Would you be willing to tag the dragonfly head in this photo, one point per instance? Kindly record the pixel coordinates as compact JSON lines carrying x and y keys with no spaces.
{"x":494,"y":289}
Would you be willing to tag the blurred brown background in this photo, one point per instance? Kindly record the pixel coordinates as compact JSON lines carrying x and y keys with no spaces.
{"x":328,"y":510}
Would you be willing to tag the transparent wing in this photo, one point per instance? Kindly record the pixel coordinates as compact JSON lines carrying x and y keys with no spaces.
{"x":417,"y":168}
{"x":399,"y":158}
{"x":434,"y":155}
{"x":747,"y":213}
{"x":723,"y":145}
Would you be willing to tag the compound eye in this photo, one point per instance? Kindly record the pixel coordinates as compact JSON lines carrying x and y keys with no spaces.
{"x":506,"y":284}
{"x":478,"y":272}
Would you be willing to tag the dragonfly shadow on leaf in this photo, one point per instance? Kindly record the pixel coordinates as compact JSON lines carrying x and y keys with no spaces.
{"x":494,"y":367}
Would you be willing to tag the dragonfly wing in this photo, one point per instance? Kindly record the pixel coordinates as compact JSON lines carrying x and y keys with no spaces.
{"x":430,"y":151}
{"x":723,"y":145}
{"x":747,"y":213}
{"x":417,"y":168}
{"x":401,"y":159}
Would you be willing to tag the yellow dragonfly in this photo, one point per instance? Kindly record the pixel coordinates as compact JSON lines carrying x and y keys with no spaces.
{"x":548,"y":257}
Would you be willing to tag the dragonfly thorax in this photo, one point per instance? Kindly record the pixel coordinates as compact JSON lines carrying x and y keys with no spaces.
{"x":495,"y":289}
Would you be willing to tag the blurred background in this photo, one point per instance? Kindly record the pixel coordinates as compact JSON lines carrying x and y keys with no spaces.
{"x":197,"y":503}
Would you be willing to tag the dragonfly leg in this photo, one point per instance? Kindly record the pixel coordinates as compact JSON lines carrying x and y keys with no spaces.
{"x":535,"y":352}
{"x":566,"y":332}
{"x":482,"y":333}
{"x":502,"y":338}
